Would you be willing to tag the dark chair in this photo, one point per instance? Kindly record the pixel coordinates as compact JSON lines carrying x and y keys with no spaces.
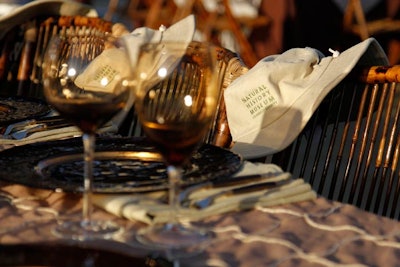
{"x":349,"y":150}
{"x":23,"y":36}
{"x":22,"y":48}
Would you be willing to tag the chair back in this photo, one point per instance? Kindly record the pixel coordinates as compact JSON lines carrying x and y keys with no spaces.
{"x":23,"y":46}
{"x":349,"y":150}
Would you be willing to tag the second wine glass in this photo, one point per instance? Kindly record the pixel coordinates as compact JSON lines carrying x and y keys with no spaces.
{"x":84,"y":80}
{"x":176,"y":96}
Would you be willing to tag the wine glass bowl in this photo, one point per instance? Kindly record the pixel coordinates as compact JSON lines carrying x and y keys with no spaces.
{"x":87,"y":94}
{"x":176,"y":101}
{"x":176,"y":95}
{"x":84,"y":79}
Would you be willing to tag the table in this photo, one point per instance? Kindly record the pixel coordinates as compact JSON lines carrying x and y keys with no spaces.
{"x":311,"y":233}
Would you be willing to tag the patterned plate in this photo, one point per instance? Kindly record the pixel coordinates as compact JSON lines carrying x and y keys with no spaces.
{"x":122,"y":165}
{"x":13,"y":109}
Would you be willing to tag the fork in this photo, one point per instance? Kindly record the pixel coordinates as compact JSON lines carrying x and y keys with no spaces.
{"x":233,"y":186}
{"x":22,"y":124}
{"x":18,"y":135}
{"x":209,"y":200}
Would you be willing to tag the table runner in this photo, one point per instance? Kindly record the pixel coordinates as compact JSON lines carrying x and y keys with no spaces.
{"x":310,"y":233}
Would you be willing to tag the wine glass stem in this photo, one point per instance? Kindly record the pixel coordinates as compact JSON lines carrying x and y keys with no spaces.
{"x":88,"y":154}
{"x":174,"y":178}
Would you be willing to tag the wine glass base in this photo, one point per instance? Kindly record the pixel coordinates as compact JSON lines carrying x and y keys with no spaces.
{"x":174,"y":237}
{"x":81,"y":230}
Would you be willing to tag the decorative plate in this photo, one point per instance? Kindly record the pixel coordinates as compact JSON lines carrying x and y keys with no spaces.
{"x":13,"y":109}
{"x":122,"y":165}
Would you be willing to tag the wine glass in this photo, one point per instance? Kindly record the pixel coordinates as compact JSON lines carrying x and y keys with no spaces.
{"x":176,"y":96}
{"x":84,"y":80}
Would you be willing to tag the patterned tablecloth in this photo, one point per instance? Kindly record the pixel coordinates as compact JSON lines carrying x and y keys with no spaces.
{"x":311,"y":233}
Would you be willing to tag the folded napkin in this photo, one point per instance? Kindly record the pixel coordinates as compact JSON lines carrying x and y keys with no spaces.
{"x":151,"y":207}
{"x":50,"y":135}
{"x":182,"y":31}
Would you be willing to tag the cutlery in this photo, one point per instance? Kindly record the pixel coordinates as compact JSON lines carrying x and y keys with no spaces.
{"x":245,"y":180}
{"x":22,"y":124}
{"x":36,"y":128}
{"x":209,"y":200}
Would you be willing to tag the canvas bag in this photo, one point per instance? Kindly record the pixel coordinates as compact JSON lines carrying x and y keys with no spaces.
{"x":270,"y":104}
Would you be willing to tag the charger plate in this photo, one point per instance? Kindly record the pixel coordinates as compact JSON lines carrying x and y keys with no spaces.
{"x":14,"y":109}
{"x":122,"y":165}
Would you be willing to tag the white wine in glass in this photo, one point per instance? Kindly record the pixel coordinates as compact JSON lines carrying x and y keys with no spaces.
{"x":83,"y":84}
{"x":176,"y":95}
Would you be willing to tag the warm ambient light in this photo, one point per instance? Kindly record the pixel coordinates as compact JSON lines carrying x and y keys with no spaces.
{"x":71,"y":72}
{"x":104,"y":81}
{"x":162,"y":72}
{"x":188,"y":101}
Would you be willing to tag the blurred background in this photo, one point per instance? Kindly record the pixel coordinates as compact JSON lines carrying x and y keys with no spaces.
{"x":258,"y":28}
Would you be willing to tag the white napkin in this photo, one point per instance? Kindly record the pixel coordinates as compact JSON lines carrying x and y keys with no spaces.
{"x":182,"y":31}
{"x":50,"y":135}
{"x":151,"y":208}
{"x":110,"y":64}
